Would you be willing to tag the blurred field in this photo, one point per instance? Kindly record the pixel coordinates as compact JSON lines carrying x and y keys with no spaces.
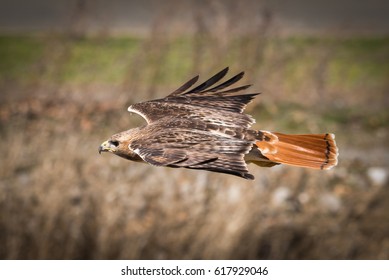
{"x":61,"y":96}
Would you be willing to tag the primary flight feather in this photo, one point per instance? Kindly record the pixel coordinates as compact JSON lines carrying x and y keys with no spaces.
{"x":204,"y":127}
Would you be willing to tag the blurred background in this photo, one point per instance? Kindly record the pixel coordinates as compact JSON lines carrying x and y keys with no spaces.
{"x":70,"y":69}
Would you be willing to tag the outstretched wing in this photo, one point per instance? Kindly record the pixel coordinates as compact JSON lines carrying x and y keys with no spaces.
{"x":163,"y":144}
{"x":199,"y":128}
{"x":223,"y":106}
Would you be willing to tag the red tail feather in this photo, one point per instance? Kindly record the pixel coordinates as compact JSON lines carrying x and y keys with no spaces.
{"x":317,"y":151}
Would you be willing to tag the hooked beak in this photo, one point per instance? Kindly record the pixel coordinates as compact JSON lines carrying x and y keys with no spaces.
{"x":107,"y":146}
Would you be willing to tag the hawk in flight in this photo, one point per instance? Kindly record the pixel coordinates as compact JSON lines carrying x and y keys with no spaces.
{"x":204,"y":127}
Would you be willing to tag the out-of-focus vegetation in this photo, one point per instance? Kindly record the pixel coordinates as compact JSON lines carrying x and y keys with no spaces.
{"x":343,"y":64}
{"x":62,"y":96}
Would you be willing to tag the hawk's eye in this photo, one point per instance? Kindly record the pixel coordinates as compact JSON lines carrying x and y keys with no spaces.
{"x":114,"y":142}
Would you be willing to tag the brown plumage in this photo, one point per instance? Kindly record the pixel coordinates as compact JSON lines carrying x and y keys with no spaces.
{"x":204,"y":127}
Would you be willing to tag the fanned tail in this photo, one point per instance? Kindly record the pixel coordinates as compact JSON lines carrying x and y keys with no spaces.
{"x":317,"y":151}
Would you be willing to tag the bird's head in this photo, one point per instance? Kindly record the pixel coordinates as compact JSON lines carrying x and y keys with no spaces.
{"x":110,"y":145}
{"x":118,"y":144}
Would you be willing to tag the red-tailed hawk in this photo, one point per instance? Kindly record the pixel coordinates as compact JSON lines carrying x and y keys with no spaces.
{"x":204,"y":127}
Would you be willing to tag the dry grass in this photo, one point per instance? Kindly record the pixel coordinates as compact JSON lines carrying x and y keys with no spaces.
{"x":60,"y":200}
